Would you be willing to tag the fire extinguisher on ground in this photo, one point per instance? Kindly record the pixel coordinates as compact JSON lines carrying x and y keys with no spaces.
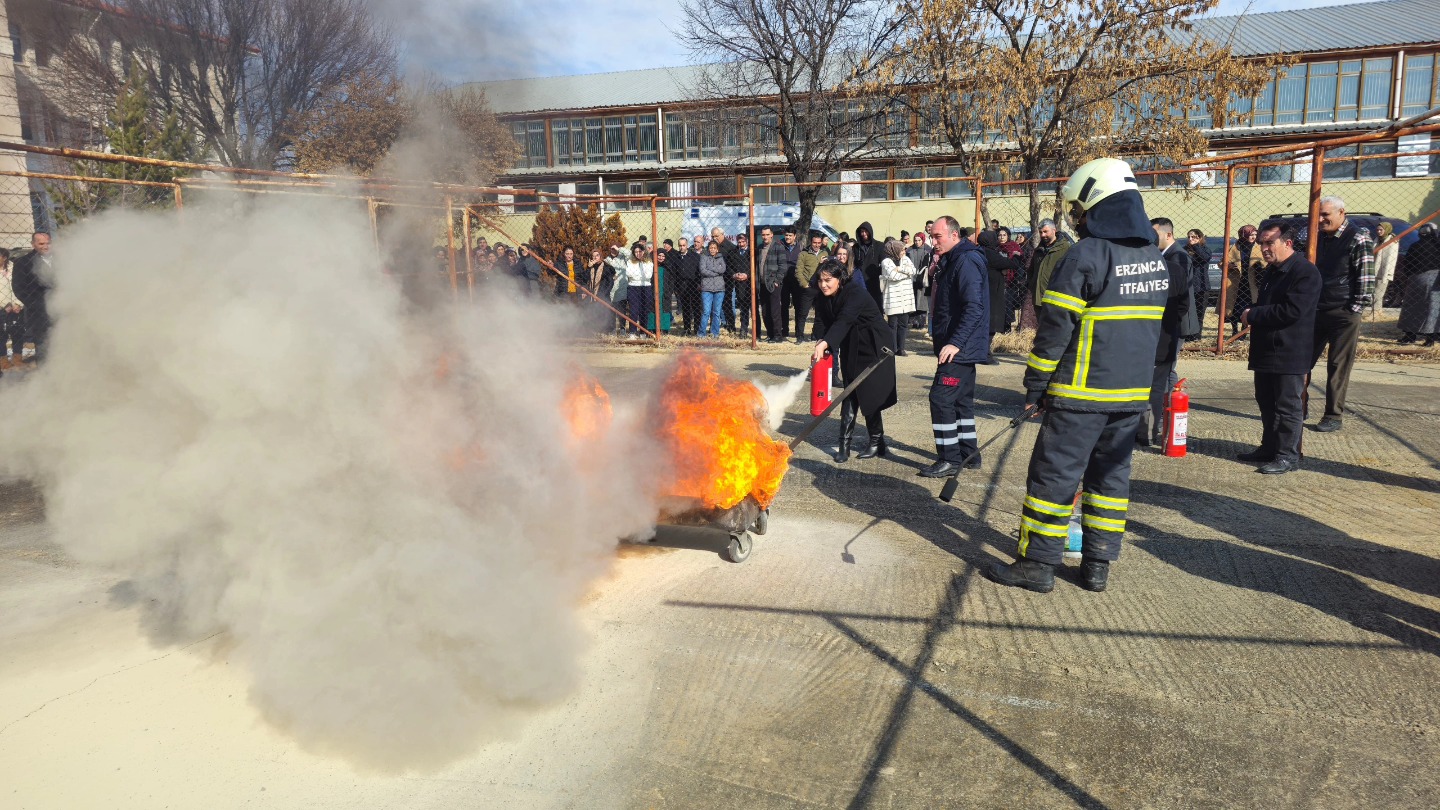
{"x":821,"y":393}
{"x":1177,"y":416}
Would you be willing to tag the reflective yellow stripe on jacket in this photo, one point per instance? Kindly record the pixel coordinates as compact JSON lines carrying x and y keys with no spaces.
{"x":1077,"y":389}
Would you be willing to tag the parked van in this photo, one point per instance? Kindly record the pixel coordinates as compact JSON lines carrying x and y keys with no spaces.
{"x":732,"y":220}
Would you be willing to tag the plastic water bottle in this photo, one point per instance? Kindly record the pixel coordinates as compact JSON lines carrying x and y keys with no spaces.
{"x":1076,"y":533}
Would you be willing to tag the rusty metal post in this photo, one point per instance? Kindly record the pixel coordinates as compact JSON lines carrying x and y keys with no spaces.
{"x":655,"y":277}
{"x":750,"y":239}
{"x":1225,"y":260}
{"x":374,"y":223}
{"x":179,"y":197}
{"x":469,"y":261}
{"x":979,"y":201}
{"x":1317,"y":176}
{"x":450,"y":246}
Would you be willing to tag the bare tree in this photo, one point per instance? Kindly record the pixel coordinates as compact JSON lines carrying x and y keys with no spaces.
{"x":241,"y":73}
{"x":1033,"y":88}
{"x":798,"y":76}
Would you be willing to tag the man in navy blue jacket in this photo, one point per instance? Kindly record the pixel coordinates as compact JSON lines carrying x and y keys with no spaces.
{"x":961,"y":338}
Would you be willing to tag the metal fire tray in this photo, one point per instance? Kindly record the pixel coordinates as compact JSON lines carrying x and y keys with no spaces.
{"x":739,"y":522}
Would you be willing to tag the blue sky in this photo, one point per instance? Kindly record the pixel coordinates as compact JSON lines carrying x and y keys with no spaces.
{"x":464,"y":40}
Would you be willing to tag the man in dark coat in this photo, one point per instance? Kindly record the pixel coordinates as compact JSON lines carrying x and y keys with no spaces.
{"x":31,"y":281}
{"x":996,"y":264}
{"x":1345,"y":256}
{"x":529,"y":270}
{"x":960,"y":298}
{"x":770,"y":263}
{"x":685,"y":269}
{"x":739,"y":262}
{"x":1177,"y":261}
{"x":1282,"y":331}
{"x":867,"y":254}
{"x":855,"y":331}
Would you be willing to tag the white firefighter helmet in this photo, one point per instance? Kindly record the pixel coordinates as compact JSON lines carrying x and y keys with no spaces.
{"x":1097,"y":180}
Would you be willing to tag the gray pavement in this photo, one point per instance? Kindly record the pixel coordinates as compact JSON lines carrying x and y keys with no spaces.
{"x":1267,"y":642}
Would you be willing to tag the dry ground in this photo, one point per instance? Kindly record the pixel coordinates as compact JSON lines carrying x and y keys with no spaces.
{"x":1268,"y":642}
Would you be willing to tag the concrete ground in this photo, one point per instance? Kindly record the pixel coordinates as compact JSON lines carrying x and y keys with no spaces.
{"x":1267,"y":642}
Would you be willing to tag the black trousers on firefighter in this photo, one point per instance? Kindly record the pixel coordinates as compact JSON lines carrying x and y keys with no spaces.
{"x":952,"y":411}
{"x":1073,"y":449}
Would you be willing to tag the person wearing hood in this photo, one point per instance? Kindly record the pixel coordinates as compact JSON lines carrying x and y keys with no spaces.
{"x":1090,"y":374}
{"x":868,"y":254}
{"x":958,"y":336}
{"x":997,"y":265}
{"x":1199,"y":271}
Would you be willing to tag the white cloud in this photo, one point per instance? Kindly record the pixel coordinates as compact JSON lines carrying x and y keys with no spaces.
{"x":509,"y":39}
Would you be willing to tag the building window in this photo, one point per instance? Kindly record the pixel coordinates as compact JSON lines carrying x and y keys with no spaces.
{"x":17,"y":45}
{"x":530,"y":144}
{"x":586,"y":141}
{"x":1320,"y":93}
{"x":1421,"y":90}
{"x":870,"y":192}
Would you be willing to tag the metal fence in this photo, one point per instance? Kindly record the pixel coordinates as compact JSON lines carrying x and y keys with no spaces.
{"x":465,"y":242}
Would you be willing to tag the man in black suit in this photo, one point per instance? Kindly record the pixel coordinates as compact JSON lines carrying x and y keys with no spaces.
{"x":31,"y":282}
{"x":1282,"y":332}
{"x":1177,"y":261}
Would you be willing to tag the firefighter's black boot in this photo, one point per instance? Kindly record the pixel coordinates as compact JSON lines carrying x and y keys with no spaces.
{"x":1028,"y":574}
{"x":1094,"y":574}
{"x":848,"y":414}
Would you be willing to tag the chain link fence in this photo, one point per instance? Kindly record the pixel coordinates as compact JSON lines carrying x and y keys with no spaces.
{"x":450,"y":242}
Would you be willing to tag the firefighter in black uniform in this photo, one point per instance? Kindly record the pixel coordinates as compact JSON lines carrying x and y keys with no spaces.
{"x":1090,"y":374}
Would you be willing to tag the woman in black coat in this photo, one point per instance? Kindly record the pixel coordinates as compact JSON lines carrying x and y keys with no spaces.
{"x":855,"y":331}
{"x":998,"y":263}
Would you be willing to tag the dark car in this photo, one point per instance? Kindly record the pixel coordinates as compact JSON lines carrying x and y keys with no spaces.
{"x":1368,"y":220}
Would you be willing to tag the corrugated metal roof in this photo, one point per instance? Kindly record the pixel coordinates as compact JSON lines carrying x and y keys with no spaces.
{"x":1306,"y":30}
{"x":625,"y":88}
{"x":1332,"y":28}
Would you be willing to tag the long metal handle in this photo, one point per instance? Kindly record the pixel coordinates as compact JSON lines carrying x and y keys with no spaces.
{"x":953,"y":482}
{"x":885,"y":354}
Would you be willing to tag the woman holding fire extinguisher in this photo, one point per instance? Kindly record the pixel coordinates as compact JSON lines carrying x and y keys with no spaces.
{"x":855,"y":331}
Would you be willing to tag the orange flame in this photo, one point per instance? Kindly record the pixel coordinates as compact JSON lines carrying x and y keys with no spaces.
{"x":586,"y":407}
{"x":714,"y":429}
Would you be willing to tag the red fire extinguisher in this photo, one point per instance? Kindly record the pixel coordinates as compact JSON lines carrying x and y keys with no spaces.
{"x":820,"y":393}
{"x":1178,"y":421}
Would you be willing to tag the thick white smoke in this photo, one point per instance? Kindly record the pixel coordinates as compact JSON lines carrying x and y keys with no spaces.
{"x":239,"y":416}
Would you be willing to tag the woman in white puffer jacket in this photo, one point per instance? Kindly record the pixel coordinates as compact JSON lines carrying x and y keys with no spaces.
{"x":897,"y":283}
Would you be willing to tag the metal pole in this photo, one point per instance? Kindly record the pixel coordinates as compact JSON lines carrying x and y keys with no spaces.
{"x":374,"y":223}
{"x":179,"y":197}
{"x":469,"y":262}
{"x":750,"y":239}
{"x":1317,"y":175}
{"x":1225,"y":259}
{"x":450,"y":243}
{"x":655,"y":276}
{"x":979,"y":201}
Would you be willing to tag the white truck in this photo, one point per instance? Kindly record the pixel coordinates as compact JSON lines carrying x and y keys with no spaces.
{"x":701,"y":219}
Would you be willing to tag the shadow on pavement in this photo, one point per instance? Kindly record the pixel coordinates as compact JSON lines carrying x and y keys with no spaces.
{"x":1226,"y":450}
{"x":1300,"y":559}
{"x":936,"y":625}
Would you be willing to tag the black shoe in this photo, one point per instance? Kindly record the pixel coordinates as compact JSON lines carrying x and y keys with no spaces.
{"x":902,"y":354}
{"x":973,"y":463}
{"x":940,"y":469}
{"x":1141,"y":441}
{"x":1028,"y":574}
{"x":875,"y":448}
{"x":992,"y":362}
{"x":1279,"y":467}
{"x":1428,"y":342}
{"x":1329,"y":424}
{"x":1256,"y":456}
{"x":1406,"y":339}
{"x":847,"y":430}
{"x":1094,"y":575}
